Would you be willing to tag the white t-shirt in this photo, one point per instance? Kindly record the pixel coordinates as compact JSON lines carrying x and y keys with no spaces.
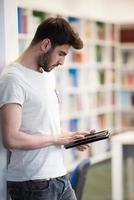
{"x":35,"y":92}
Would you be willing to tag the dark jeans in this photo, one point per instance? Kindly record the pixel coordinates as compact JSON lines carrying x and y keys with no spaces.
{"x":54,"y":189}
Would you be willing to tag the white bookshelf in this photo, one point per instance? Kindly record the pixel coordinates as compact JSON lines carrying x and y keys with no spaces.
{"x":125,"y":92}
{"x":89,"y":83}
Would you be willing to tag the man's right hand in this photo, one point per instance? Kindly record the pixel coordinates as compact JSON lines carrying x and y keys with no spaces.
{"x":66,"y":137}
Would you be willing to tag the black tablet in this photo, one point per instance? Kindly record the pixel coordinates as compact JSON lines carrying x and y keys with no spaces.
{"x":89,"y":138}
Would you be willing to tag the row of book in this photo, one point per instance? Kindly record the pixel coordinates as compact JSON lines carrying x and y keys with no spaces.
{"x":96,"y":53}
{"x":127,"y":120}
{"x":105,"y":99}
{"x":126,"y":100}
{"x":87,"y":103}
{"x":101,"y":100}
{"x":83,"y":26}
{"x":127,"y":95}
{"x":29,"y":20}
{"x":80,"y":104}
{"x":105,"y":54}
{"x":102,"y":121}
{"x":88,"y":78}
{"x":128,"y":79}
{"x":127,"y":56}
{"x":88,"y":31}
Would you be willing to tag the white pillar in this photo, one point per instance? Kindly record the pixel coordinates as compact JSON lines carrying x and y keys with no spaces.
{"x":117,"y":170}
{"x":8,"y":32}
{"x":8,"y":52}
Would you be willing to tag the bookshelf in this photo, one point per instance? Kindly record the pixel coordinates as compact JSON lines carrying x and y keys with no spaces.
{"x":126,"y":78}
{"x":95,"y":83}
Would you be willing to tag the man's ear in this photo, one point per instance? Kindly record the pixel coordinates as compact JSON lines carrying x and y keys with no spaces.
{"x":45,"y":45}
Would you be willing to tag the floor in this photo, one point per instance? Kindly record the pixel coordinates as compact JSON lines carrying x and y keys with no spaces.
{"x":98,"y":184}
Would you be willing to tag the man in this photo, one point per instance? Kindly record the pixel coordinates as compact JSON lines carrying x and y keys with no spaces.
{"x":30,"y":116}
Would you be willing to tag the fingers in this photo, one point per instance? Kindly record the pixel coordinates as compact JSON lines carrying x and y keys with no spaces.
{"x":84,"y":133}
{"x":80,"y":134}
{"x":80,"y":148}
{"x":72,"y":136}
{"x":75,"y":137}
{"x":92,"y":131}
{"x":83,"y":147}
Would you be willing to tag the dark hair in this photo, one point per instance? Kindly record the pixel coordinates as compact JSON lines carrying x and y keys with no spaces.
{"x":59,"y":31}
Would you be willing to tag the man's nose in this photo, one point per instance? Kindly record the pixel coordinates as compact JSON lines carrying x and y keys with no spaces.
{"x":61,"y":61}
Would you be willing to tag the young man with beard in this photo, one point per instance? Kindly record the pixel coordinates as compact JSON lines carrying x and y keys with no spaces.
{"x":30,"y":116}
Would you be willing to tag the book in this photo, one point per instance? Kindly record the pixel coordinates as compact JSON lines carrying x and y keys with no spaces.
{"x":127,"y":34}
{"x":73,"y":77}
{"x":132,"y":100}
{"x":22,"y":20}
{"x":73,"y":124}
{"x":100,"y":30}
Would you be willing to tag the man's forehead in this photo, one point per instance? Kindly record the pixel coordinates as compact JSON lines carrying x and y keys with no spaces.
{"x":64,"y":48}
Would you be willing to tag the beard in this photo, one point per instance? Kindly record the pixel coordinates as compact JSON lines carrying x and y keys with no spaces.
{"x":44,"y":61}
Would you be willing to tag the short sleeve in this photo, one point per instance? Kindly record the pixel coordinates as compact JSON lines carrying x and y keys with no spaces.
{"x":11,"y":91}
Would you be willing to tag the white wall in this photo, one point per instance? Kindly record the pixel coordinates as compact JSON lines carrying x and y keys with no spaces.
{"x":8,"y":52}
{"x":120,"y":11}
{"x":107,"y":10}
